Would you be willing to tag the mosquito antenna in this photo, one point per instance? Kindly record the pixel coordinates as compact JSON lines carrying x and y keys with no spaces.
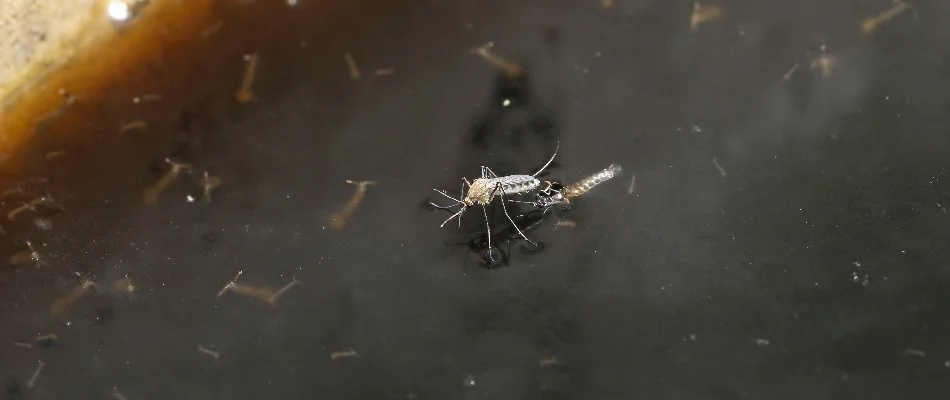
{"x":453,"y":216}
{"x":556,"y":147}
{"x":446,"y":195}
{"x":446,"y":208}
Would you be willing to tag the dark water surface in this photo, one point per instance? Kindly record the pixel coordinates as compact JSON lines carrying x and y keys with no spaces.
{"x":817,"y":267}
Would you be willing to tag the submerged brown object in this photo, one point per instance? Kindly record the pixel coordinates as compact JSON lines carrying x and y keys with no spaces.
{"x":338,"y":220}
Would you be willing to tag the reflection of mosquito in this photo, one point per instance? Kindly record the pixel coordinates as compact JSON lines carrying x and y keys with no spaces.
{"x":482,"y":191}
{"x":504,"y":238}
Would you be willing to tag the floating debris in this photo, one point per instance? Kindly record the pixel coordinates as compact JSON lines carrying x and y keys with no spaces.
{"x":133,"y":126}
{"x":245,"y":94}
{"x":511,"y":69}
{"x":338,"y":220}
{"x":42,"y":200}
{"x":150,"y":194}
{"x":211,"y":353}
{"x":702,"y":14}
{"x":147,"y":98}
{"x":63,"y":304}
{"x":36,"y":374}
{"x":16,"y":211}
{"x":209,"y":183}
{"x":548,"y":362}
{"x":790,"y":72}
{"x":860,"y":280}
{"x":870,"y":24}
{"x":914,"y":352}
{"x":385,"y":71}
{"x":26,"y":257}
{"x":565,"y":224}
{"x":263,"y":293}
{"x":351,"y":63}
{"x":336,"y":355}
{"x":42,"y":224}
{"x":212,"y":29}
{"x":826,"y":62}
{"x":124,"y":285}
{"x":116,"y":395}
{"x":45,"y":341}
{"x":16,"y":190}
{"x":54,"y":154}
{"x":722,"y":171}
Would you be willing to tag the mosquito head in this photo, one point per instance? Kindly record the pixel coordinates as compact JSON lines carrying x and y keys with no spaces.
{"x":480,"y":191}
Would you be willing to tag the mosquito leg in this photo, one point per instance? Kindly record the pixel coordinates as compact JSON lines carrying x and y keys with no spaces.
{"x":464,"y":182}
{"x":488,"y":226}
{"x":492,"y":174}
{"x":458,"y":214}
{"x":505,"y":209}
{"x":491,"y":263}
{"x":457,"y":202}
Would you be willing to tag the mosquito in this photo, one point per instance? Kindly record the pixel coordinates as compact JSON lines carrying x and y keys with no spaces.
{"x":482,"y":191}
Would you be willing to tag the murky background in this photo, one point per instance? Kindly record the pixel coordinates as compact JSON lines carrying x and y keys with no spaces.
{"x":811,"y":263}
